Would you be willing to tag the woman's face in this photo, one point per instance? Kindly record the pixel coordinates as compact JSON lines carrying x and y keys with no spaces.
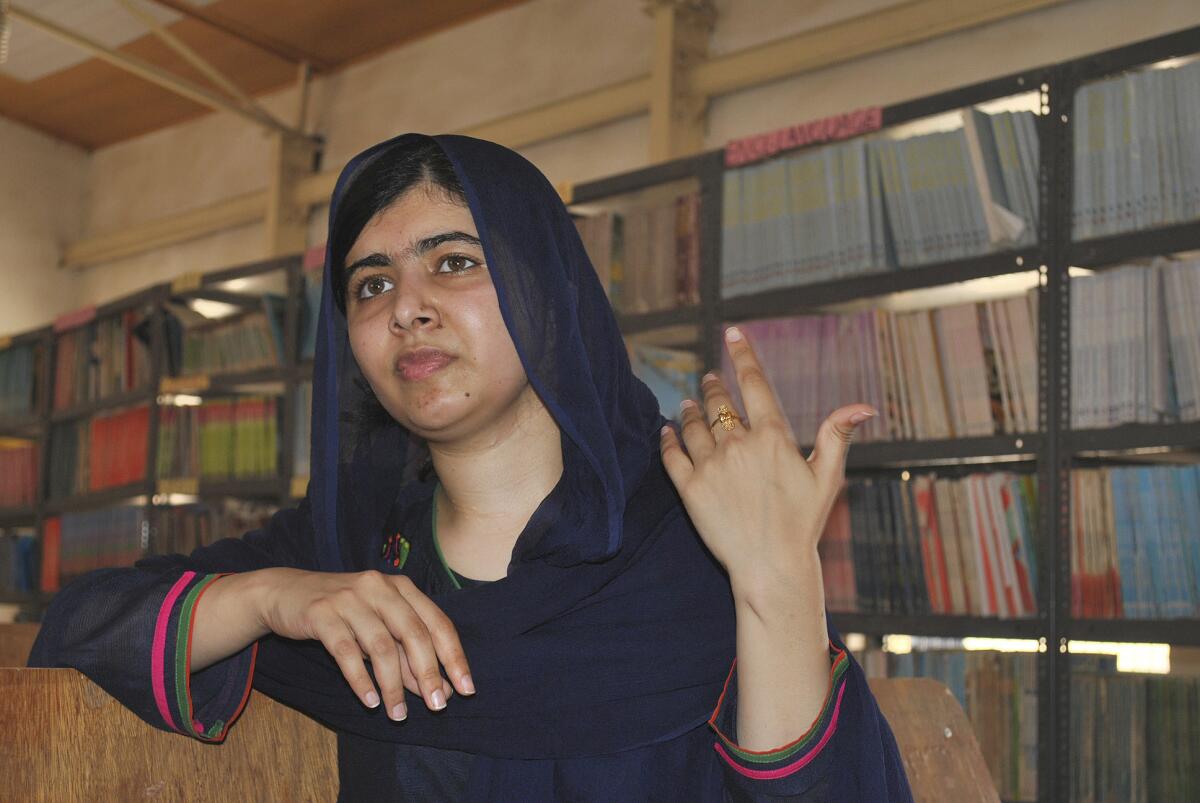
{"x":425,"y":324}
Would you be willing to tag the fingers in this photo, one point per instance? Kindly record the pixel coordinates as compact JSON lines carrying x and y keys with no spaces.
{"x":408,"y":628}
{"x":379,"y":646}
{"x":405,"y":636}
{"x":712,"y":388}
{"x":445,"y":639}
{"x":832,"y":444}
{"x":758,"y":397}
{"x":678,"y":465}
{"x":693,"y":426}
{"x":341,"y":642}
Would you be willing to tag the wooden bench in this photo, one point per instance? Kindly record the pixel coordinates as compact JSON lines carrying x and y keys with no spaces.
{"x":64,"y":739}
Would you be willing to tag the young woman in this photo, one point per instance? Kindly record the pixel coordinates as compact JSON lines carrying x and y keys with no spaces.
{"x":509,"y":579}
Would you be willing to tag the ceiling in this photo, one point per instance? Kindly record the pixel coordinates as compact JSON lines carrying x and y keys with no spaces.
{"x":59,"y":89}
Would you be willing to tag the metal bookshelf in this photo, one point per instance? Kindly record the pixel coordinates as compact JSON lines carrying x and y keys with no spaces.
{"x":150,"y":491}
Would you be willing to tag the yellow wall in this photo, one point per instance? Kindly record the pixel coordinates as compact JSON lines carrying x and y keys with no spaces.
{"x":43,"y":190}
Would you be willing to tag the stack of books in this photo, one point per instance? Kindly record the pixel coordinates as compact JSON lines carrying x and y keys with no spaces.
{"x":648,"y":258}
{"x":967,"y":370}
{"x":933,"y":546}
{"x":232,"y":438}
{"x":876,"y":204}
{"x":1135,"y":551}
{"x":1137,"y":151}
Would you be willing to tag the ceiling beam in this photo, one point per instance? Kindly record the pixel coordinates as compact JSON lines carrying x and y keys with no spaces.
{"x":231,"y":213}
{"x":150,"y":72}
{"x":193,"y":58}
{"x":246,"y":34}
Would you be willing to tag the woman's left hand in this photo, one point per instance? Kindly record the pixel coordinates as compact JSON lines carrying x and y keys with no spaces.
{"x":759,"y":505}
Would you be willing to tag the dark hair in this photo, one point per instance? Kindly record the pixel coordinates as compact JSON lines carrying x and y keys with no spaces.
{"x":378,"y":184}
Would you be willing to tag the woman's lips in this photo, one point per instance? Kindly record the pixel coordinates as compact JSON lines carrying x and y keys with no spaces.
{"x":422,"y":363}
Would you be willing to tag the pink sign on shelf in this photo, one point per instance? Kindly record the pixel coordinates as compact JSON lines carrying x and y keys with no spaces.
{"x":70,"y":320}
{"x":829,"y":129}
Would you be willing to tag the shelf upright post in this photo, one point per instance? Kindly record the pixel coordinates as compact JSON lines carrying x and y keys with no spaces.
{"x":1054,"y":468}
{"x":158,"y":360}
{"x":711,"y":172}
{"x":291,"y":377}
{"x":44,"y":388}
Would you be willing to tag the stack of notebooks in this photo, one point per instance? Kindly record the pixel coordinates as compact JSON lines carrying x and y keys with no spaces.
{"x":183,"y":528}
{"x":1134,"y":738}
{"x":18,"y":561}
{"x":18,"y":472}
{"x":999,"y":693}
{"x":105,"y":451}
{"x":246,"y":342}
{"x":967,"y":370}
{"x":870,"y":205}
{"x":76,"y":543}
{"x":1135,"y":345}
{"x":933,"y":546}
{"x":101,"y":358}
{"x":648,"y":258}
{"x":1135,"y":548}
{"x":233,"y":438}
{"x":18,"y":379}
{"x":1137,"y":151}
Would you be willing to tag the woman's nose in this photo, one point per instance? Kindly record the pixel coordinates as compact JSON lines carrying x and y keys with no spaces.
{"x":414,"y":306}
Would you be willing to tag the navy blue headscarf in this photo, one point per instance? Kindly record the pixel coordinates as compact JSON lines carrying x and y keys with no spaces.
{"x":614,"y":627}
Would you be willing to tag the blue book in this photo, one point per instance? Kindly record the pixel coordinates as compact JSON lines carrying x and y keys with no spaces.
{"x":1126,"y":545}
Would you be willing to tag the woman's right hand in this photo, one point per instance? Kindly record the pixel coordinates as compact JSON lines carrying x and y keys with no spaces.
{"x":375,"y":616}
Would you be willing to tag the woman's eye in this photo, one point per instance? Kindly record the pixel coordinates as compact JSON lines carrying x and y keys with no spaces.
{"x":374,"y":286}
{"x":456,"y":263}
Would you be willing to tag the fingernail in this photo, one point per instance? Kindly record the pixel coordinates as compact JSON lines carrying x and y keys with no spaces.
{"x":686,"y":403}
{"x":467,"y":685}
{"x":400,"y":712}
{"x":372,"y":699}
{"x":709,"y":377}
{"x":860,"y":417}
{"x":733,"y":334}
{"x":439,"y":700}
{"x":664,"y":431}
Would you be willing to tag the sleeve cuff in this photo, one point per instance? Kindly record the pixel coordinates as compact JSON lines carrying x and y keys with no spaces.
{"x":793,"y":756}
{"x":215,"y":695}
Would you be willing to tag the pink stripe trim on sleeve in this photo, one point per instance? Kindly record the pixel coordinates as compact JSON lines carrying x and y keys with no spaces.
{"x":158,"y":649}
{"x":804,"y":760}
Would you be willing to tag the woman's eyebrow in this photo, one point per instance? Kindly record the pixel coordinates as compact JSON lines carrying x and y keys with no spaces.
{"x":427,"y":244}
{"x":420,"y":247}
{"x":376,"y":260}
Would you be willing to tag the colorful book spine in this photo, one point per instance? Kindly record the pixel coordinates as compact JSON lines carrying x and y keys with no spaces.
{"x":18,"y":472}
{"x":233,"y":438}
{"x":960,"y":546}
{"x":1134,"y":550}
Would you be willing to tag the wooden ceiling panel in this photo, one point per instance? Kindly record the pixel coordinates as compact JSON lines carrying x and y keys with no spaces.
{"x":344,"y":31}
{"x":94,"y":104}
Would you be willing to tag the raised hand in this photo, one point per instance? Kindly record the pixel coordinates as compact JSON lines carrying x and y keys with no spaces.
{"x":759,"y":505}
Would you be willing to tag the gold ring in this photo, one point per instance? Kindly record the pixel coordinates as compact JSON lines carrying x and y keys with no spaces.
{"x":727,"y":418}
